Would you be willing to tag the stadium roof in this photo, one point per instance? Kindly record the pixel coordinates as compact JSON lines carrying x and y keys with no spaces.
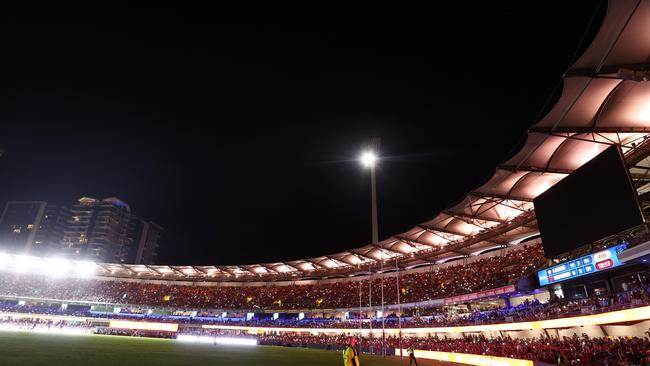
{"x":605,"y":101}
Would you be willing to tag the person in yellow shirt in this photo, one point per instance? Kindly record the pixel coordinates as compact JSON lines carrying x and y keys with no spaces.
{"x":350,"y":355}
{"x":411,"y":353}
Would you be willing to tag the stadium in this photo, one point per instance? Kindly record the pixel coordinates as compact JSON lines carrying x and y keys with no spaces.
{"x":530,"y":268}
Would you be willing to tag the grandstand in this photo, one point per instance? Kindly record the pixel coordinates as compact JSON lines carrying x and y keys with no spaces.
{"x":466,"y":282}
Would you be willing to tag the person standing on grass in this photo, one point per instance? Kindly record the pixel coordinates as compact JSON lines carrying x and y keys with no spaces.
{"x":411,"y":353}
{"x":350,"y":355}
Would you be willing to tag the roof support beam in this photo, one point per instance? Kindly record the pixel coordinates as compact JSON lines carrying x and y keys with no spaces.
{"x":639,"y":153}
{"x":200,"y":271}
{"x":608,"y":71}
{"x":292,"y":266}
{"x":502,"y":196}
{"x":315,"y":264}
{"x":268,"y":269}
{"x":337,"y":261}
{"x":362,"y":258}
{"x":514,"y":168}
{"x":462,"y":215}
{"x":229,"y":271}
{"x":411,"y":241}
{"x":445,"y":230}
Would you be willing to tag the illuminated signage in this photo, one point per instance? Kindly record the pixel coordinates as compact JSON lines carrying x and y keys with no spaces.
{"x":582,"y":266}
{"x":123,"y":324}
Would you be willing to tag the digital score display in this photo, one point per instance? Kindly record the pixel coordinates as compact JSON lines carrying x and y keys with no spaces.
{"x":582,"y":266}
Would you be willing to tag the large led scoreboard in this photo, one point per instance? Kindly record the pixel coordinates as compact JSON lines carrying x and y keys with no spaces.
{"x":582,"y":266}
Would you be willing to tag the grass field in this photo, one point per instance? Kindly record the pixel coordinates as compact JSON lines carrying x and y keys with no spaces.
{"x":23,"y":348}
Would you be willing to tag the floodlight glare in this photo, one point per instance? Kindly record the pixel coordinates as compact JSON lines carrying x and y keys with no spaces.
{"x":55,"y":267}
{"x":217,"y":340}
{"x":85,"y":268}
{"x":23,"y":263}
{"x":5,"y":259}
{"x":368,"y":159}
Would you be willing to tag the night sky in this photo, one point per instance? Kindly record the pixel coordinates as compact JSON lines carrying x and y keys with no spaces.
{"x":237,"y":129}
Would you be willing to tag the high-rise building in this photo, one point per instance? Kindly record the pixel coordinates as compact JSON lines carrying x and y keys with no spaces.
{"x":147,"y":248}
{"x":99,"y":230}
{"x":49,"y":235}
{"x":19,"y":223}
{"x":90,"y":229}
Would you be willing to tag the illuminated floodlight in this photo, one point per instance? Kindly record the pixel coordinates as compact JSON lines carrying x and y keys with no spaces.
{"x":187,"y":338}
{"x":217,"y":340}
{"x":5,"y":259}
{"x":23,"y":264}
{"x":276,"y":316}
{"x":301,"y":316}
{"x":56,"y":267}
{"x":236,"y":341}
{"x":50,"y":330}
{"x":125,"y":324}
{"x":85,"y":268}
{"x":368,"y":159}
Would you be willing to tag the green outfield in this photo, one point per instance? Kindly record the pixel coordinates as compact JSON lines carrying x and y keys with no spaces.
{"x":23,"y":348}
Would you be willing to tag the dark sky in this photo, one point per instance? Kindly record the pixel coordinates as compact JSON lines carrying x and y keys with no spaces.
{"x":237,"y":128}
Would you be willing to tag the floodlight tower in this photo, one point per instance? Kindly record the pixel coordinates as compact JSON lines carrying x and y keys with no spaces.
{"x":369,"y":159}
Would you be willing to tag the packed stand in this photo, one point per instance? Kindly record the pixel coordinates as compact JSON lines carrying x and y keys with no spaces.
{"x":449,"y":281}
{"x":600,"y":351}
{"x":475,"y":314}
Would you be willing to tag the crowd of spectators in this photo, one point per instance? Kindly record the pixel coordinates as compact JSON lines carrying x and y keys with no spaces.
{"x":598,"y":351}
{"x":486,"y":273}
{"x":133,"y":332}
{"x":535,"y":310}
{"x":526,"y":311}
{"x":43,"y":325}
{"x":566,"y":350}
{"x":474,"y":314}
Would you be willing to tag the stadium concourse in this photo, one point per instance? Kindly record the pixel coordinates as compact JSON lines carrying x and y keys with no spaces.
{"x":470,"y":285}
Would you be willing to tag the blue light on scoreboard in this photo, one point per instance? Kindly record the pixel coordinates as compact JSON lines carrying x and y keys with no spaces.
{"x":582,"y":266}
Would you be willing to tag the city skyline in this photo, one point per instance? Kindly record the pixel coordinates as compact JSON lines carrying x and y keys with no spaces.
{"x":91,"y":229}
